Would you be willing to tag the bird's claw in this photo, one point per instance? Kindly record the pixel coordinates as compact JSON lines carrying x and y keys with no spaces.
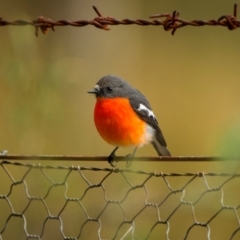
{"x":113,"y":163}
{"x":111,"y":160}
{"x":128,"y":161}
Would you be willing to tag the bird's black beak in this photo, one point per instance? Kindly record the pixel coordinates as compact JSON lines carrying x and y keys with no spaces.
{"x":95,"y":90}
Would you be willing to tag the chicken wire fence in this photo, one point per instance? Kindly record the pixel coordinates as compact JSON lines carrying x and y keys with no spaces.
{"x":74,"y":202}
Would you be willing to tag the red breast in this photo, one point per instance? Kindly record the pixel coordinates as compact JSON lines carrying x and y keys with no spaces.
{"x":117,"y":122}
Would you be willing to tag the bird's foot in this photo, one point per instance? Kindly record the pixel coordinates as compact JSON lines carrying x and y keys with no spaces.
{"x":111,"y":157}
{"x":129,"y":160}
{"x":111,"y":160}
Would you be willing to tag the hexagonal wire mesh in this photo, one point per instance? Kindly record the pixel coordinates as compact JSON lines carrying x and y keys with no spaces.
{"x":57,"y":202}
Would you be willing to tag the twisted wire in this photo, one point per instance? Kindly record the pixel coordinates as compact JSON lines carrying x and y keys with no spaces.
{"x":171,"y":22}
{"x":108,"y":174}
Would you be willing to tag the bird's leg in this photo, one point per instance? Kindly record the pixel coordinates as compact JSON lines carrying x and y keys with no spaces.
{"x":111,"y":157}
{"x":129,"y":156}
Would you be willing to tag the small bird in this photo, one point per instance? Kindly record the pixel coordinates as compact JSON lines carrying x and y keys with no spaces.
{"x":124,"y":118}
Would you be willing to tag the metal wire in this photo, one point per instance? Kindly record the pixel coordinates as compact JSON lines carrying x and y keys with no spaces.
{"x":129,"y":182}
{"x":171,"y":22}
{"x":128,"y":225}
{"x":118,"y":159}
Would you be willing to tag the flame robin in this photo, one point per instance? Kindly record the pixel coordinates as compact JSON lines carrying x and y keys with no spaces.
{"x":124,"y":118}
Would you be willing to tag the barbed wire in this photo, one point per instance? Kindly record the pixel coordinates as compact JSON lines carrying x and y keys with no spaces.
{"x":171,"y":22}
{"x":131,"y":183}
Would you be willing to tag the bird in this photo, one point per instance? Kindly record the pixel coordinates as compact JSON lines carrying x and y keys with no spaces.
{"x":124,"y":118}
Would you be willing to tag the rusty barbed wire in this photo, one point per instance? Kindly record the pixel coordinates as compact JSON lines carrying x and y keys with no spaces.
{"x":171,"y":22}
{"x":162,"y":206}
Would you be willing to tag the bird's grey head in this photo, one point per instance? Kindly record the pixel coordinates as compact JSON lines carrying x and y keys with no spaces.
{"x":111,"y":86}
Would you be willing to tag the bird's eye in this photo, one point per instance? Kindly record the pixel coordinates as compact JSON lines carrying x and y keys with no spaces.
{"x":109,"y":89}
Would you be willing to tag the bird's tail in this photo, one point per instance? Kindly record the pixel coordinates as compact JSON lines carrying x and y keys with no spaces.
{"x":161,"y":150}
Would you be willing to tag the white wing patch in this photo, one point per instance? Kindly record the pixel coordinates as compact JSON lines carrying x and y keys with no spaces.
{"x":144,"y":108}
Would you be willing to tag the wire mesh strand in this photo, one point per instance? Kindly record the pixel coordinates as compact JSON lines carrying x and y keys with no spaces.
{"x":94,"y":192}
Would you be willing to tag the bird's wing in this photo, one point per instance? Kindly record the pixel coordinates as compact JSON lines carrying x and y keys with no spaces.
{"x":143,"y":109}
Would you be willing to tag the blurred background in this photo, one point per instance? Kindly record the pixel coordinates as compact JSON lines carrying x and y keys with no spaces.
{"x":191,"y":80}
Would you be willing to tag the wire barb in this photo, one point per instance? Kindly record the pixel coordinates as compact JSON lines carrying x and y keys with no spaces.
{"x":97,"y":22}
{"x":47,"y":23}
{"x":170,"y":22}
{"x":230,"y":20}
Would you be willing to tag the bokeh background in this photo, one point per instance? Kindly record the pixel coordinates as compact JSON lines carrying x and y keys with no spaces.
{"x":191,"y":80}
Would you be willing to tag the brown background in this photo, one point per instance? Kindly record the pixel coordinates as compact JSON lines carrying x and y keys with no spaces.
{"x":191,"y":80}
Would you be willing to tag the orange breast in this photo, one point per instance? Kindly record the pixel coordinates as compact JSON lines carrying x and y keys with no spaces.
{"x":117,"y":123}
